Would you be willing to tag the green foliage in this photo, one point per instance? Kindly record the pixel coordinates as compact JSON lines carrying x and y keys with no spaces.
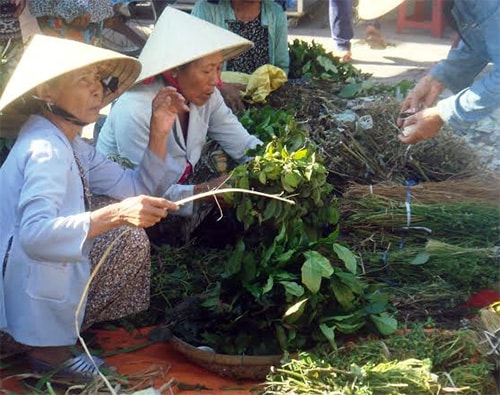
{"x":288,"y":278}
{"x":417,"y":362}
{"x":311,"y":60}
{"x":367,"y":88}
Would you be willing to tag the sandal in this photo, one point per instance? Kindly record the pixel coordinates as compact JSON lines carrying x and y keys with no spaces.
{"x":78,"y":369}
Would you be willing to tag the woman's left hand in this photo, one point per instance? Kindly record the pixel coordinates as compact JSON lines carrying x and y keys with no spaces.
{"x":423,"y":125}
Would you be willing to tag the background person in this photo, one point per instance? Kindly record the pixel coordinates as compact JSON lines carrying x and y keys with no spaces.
{"x":261,"y":21}
{"x":341,"y":23}
{"x":476,"y":98}
{"x":193,"y":66}
{"x":51,"y":235}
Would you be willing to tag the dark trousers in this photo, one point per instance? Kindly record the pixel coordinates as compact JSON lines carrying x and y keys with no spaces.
{"x":340,"y":13}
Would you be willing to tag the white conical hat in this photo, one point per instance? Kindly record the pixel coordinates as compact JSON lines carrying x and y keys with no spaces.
{"x":46,"y":58}
{"x":179,"y":38}
{"x":372,"y":9}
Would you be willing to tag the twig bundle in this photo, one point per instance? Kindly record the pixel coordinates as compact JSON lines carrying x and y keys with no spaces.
{"x":468,"y":224}
{"x":488,"y":332}
{"x":477,"y":189}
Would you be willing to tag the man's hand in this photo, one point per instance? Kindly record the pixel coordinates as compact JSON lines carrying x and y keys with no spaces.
{"x":212,"y":184}
{"x":424,"y":95}
{"x":423,"y":125}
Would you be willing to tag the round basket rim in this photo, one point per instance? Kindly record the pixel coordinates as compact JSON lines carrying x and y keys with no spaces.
{"x":206,"y":356}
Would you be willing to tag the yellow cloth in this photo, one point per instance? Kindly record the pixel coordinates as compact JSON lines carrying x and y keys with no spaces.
{"x":260,"y":83}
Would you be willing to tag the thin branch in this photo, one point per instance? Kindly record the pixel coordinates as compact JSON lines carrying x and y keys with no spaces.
{"x":227,"y":190}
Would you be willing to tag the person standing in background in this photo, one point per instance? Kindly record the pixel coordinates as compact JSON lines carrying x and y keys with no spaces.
{"x":341,"y":27}
{"x":341,"y":24}
{"x":263,"y":22}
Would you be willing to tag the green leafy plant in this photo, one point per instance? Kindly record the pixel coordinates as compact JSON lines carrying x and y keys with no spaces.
{"x":311,"y":60}
{"x":288,"y":283}
{"x":365,"y":88}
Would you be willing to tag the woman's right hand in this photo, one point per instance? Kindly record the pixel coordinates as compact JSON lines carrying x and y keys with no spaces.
{"x":144,"y":211}
{"x":165,"y":107}
{"x":141,"y":211}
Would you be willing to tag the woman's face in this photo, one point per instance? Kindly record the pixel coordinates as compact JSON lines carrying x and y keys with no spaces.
{"x":198,"y":80}
{"x":79,"y":92}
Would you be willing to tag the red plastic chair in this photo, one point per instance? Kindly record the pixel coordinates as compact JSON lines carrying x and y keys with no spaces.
{"x":421,"y":18}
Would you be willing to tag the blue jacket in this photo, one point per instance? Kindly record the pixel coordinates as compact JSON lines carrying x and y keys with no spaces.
{"x":272,"y":16}
{"x":473,"y":99}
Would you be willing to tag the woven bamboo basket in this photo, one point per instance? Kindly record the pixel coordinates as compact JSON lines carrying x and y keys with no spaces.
{"x":236,"y":367}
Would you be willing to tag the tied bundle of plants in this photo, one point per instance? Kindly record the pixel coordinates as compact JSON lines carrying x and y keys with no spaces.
{"x":465,"y":224}
{"x":480,"y":188}
{"x":287,"y":284}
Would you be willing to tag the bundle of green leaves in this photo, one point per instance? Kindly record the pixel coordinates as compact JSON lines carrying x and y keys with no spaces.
{"x":288,"y":283}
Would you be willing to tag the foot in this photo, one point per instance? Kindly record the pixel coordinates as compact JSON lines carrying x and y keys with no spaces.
{"x":374,"y":38}
{"x":345,"y":56}
{"x":52,"y":355}
{"x":62,"y":365}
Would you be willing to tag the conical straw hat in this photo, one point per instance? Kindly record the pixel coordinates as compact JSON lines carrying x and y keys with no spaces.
{"x":46,"y":58}
{"x":372,"y":9}
{"x":179,"y":38}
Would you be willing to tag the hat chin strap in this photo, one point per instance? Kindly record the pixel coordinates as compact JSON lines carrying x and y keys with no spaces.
{"x":56,"y":110}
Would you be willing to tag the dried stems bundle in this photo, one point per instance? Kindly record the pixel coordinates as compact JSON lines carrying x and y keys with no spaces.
{"x":485,"y":188}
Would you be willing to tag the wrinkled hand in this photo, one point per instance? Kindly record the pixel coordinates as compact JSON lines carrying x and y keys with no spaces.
{"x":231,"y":92}
{"x":144,"y":211}
{"x":212,"y":184}
{"x":20,"y":7}
{"x":81,"y":21}
{"x":165,"y":107}
{"x":425,"y":94}
{"x":423,"y":125}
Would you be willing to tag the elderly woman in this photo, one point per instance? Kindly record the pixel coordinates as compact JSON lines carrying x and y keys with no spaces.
{"x":191,"y":65}
{"x":261,"y":21}
{"x":51,"y":238}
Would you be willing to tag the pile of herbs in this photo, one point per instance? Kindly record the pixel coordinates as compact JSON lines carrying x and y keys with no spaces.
{"x":313,"y":274}
{"x":311,"y":60}
{"x":432,"y":256}
{"x":287,"y":278}
{"x":357,"y":139}
{"x":419,"y":361}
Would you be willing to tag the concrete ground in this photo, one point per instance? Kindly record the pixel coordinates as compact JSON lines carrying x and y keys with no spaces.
{"x":408,"y":54}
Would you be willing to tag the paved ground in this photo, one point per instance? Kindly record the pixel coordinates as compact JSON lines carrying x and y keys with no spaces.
{"x":408,"y":54}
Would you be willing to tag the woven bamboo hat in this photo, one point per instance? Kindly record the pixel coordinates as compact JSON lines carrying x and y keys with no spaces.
{"x":46,"y":58}
{"x":179,"y":38}
{"x":372,"y":9}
